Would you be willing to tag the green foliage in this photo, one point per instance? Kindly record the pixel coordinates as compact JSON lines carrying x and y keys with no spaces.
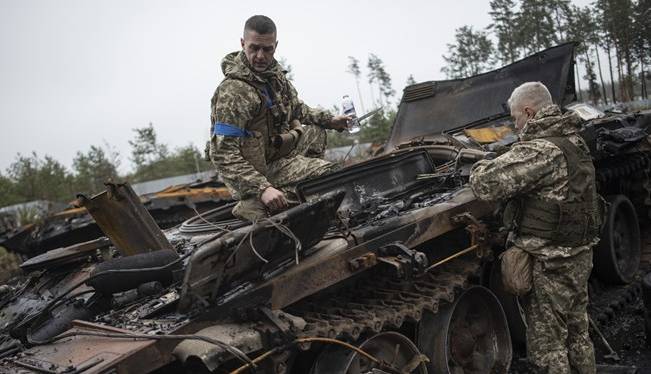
{"x":378,"y":127}
{"x":377,"y":74}
{"x":504,"y":26}
{"x":523,"y":27}
{"x":354,"y":69}
{"x":9,"y":194}
{"x":593,"y":86}
{"x":536,"y":26}
{"x":375,"y":130}
{"x":642,"y":30}
{"x":145,"y":148}
{"x":92,"y":170}
{"x":38,"y":178}
{"x":339,"y":139}
{"x":153,"y":160}
{"x":34,"y":178}
{"x":183,"y":160}
{"x":470,"y":54}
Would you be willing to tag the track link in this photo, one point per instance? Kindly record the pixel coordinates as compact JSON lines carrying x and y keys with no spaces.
{"x":378,"y":302}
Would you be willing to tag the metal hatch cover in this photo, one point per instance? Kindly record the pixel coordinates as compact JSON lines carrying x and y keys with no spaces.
{"x":435,"y":107}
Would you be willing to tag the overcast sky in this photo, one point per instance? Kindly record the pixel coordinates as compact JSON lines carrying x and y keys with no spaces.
{"x":75,"y":73}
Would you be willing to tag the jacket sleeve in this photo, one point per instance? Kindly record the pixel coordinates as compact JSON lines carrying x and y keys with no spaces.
{"x":307,"y":115}
{"x":235,"y":104}
{"x":528,"y":166}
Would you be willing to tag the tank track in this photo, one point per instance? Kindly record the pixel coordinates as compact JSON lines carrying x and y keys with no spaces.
{"x":378,"y":302}
{"x":622,"y":167}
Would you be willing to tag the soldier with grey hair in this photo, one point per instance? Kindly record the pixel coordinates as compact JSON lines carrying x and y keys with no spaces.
{"x":548,"y":180}
{"x":258,"y":142}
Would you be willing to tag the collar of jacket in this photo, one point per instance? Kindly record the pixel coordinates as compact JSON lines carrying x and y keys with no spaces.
{"x":549,"y":122}
{"x":235,"y":65}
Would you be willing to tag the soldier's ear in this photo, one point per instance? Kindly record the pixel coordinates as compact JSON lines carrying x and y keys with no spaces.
{"x":529,"y":112}
{"x":242,"y":42}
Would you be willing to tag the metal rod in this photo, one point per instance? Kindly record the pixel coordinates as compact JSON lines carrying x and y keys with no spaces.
{"x":471,"y":248}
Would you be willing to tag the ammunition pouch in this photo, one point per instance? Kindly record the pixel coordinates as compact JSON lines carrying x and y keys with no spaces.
{"x":567,"y":224}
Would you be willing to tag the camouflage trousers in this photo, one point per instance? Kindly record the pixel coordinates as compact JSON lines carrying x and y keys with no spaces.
{"x":302,"y":163}
{"x":557,"y":320}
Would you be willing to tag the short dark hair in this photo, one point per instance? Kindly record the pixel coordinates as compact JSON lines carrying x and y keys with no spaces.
{"x":260,"y":24}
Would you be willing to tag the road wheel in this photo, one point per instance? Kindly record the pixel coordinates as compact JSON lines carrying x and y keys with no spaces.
{"x":470,"y":335}
{"x":389,"y":347}
{"x":617,"y":256}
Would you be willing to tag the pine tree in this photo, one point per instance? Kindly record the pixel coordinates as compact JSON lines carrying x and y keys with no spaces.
{"x":92,"y":170}
{"x":353,"y":68}
{"x":377,"y":74}
{"x":561,"y":11}
{"x":536,"y":26}
{"x":582,"y":29}
{"x":620,"y":25}
{"x":504,"y":25}
{"x":642,"y":40}
{"x":606,"y":41}
{"x":470,"y":54}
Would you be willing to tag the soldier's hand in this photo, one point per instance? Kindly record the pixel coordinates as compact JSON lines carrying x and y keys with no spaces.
{"x":273,"y":199}
{"x":339,"y":123}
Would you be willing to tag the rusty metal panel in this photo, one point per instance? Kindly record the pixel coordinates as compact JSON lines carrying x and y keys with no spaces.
{"x":245,"y":253}
{"x":122,"y":217}
{"x":316,"y":272}
{"x":91,"y":354}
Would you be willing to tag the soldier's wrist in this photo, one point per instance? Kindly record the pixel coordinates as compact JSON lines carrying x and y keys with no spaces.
{"x":263,"y":187}
{"x":326,"y":123}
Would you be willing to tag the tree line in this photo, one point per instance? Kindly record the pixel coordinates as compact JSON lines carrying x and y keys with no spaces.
{"x":376,"y":129}
{"x":34,"y":177}
{"x":620,"y":30}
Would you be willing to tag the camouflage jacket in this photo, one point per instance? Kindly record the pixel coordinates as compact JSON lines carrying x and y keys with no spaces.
{"x":533,"y":167}
{"x":262,"y":104}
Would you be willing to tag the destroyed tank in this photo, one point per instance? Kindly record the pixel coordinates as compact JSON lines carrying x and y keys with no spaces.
{"x":386,"y":266}
{"x":169,"y":207}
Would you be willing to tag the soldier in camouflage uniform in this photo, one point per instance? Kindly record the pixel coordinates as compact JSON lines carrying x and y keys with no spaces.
{"x":549,"y":177}
{"x":258,"y":142}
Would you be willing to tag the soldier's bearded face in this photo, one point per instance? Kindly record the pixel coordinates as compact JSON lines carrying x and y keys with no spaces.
{"x":259,"y":49}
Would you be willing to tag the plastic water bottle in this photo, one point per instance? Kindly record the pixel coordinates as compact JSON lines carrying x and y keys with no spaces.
{"x":348,"y":109}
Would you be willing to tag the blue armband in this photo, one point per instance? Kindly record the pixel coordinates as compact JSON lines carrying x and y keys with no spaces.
{"x":226,"y":129}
